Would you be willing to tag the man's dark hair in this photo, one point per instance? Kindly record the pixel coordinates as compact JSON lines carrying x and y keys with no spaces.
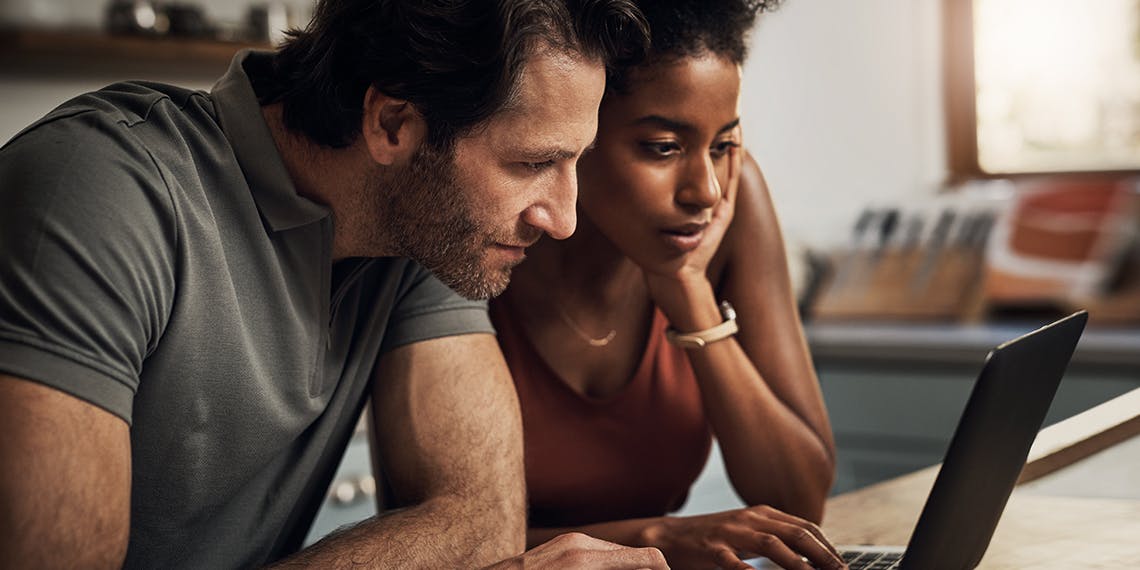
{"x":689,"y":28}
{"x":457,"y":61}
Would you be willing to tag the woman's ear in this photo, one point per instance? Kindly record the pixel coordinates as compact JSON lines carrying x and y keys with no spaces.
{"x":392,"y":128}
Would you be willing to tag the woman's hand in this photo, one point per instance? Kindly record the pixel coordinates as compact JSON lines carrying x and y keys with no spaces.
{"x":726,"y":179}
{"x":676,"y":287}
{"x":725,"y":539}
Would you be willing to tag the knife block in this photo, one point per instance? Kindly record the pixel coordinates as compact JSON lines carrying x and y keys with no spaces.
{"x":903,"y":285}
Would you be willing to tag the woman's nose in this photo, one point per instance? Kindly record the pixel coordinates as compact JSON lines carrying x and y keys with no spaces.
{"x":699,"y":186}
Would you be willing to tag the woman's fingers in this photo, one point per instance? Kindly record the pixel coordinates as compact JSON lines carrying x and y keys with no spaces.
{"x":751,"y":543}
{"x":784,"y":543}
{"x":779,"y":515}
{"x":727,"y":559}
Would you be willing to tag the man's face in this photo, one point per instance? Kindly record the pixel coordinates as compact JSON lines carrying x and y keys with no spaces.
{"x":468,"y":215}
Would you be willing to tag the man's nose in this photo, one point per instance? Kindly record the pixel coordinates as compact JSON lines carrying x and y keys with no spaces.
{"x":554,"y":213}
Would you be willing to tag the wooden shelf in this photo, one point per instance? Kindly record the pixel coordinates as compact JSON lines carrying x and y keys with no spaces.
{"x":24,"y":48}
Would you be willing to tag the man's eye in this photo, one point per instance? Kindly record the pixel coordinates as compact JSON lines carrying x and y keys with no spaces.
{"x":538,"y":166}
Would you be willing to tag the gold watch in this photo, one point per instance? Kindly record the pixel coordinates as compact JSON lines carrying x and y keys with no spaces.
{"x":700,"y":339}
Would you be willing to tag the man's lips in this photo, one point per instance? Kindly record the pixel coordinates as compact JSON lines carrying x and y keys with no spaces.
{"x":515,"y":252}
{"x":514,"y":246}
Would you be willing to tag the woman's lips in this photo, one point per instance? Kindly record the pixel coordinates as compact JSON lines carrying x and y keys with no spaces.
{"x":684,"y":238}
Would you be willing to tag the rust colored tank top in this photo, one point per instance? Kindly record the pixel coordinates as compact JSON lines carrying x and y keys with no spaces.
{"x":634,"y":454}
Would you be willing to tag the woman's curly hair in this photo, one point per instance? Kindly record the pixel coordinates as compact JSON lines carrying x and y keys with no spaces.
{"x":688,"y":28}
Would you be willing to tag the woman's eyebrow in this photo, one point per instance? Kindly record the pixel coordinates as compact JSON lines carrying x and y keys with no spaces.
{"x":667,"y":124}
{"x":679,"y":126}
{"x":729,"y":126}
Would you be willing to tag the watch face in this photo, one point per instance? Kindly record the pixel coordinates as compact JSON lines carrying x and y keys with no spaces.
{"x":727,"y":311}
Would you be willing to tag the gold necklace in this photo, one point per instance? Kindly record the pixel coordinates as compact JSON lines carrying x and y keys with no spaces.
{"x":597,"y":342}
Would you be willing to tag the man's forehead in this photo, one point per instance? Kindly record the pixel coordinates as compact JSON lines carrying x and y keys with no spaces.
{"x":557,"y":95}
{"x":546,"y":71}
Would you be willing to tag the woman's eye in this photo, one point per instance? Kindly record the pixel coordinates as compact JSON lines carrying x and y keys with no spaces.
{"x":723,"y":147}
{"x":661,"y":149}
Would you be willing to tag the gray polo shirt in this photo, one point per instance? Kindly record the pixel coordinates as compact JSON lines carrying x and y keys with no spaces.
{"x":156,"y":261}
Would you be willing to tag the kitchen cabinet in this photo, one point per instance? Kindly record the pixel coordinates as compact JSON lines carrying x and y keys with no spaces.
{"x":894,"y":392}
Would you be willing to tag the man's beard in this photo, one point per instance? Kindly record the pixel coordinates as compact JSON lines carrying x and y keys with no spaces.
{"x":426,"y":215}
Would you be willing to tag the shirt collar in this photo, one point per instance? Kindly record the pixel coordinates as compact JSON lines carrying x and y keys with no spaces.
{"x":239,"y":115}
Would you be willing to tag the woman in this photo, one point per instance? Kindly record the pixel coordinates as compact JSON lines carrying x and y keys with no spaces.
{"x":674,"y":219}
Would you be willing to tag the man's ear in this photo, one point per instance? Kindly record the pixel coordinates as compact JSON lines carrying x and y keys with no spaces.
{"x":392,"y":128}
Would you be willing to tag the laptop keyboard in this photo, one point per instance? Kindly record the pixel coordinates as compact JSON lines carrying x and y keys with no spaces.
{"x":857,"y":560}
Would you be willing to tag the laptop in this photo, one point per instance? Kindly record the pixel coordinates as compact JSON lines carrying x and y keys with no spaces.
{"x":1003,"y":414}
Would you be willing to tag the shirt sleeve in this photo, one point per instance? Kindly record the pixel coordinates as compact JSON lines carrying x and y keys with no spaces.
{"x":429,"y":309}
{"x":86,"y":258}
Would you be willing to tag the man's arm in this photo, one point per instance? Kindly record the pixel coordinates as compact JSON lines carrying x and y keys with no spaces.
{"x":447,"y":431}
{"x":65,"y":480}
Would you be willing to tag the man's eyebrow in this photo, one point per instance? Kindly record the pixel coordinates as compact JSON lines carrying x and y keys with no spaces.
{"x":679,"y":126}
{"x":555,"y":153}
{"x":544,"y":154}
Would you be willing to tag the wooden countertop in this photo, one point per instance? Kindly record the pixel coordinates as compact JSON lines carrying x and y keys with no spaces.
{"x":1038,"y":531}
{"x":52,"y":50}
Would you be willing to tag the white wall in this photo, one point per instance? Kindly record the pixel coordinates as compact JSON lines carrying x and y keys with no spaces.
{"x":842,"y":105}
{"x":842,"y":101}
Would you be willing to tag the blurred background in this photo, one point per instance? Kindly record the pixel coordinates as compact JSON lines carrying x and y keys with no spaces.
{"x":948,"y":173}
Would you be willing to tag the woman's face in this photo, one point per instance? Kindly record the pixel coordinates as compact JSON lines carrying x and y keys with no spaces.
{"x":661,"y":158}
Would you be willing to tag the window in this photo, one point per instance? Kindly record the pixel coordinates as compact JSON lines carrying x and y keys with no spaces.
{"x":1040,"y":86}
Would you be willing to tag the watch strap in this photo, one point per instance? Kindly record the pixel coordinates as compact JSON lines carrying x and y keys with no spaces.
{"x":700,"y":339}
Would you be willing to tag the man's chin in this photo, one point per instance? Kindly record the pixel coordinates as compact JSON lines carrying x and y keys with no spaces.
{"x":488,"y":284}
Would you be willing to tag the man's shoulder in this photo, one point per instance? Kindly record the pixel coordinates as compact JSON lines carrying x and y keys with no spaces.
{"x":120,"y":113}
{"x":94,"y":154}
{"x":121,"y":137}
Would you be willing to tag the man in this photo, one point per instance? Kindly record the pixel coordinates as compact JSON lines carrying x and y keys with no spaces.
{"x":198,"y":292}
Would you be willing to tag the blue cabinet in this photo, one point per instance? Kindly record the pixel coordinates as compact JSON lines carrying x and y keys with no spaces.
{"x":895,"y":392}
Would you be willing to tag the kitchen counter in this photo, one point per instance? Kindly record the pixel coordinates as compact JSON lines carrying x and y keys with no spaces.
{"x":953,"y":343}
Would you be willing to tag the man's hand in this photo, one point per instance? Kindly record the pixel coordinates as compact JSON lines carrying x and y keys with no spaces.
{"x":724,"y":539}
{"x":576,"y":550}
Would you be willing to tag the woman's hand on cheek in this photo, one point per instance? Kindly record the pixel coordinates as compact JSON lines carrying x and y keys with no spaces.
{"x":674,"y":286}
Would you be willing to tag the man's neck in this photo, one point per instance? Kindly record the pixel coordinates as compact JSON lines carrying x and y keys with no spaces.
{"x":323,"y":175}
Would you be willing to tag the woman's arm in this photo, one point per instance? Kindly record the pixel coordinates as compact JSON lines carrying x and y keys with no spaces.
{"x":759,"y":388}
{"x":761,"y":391}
